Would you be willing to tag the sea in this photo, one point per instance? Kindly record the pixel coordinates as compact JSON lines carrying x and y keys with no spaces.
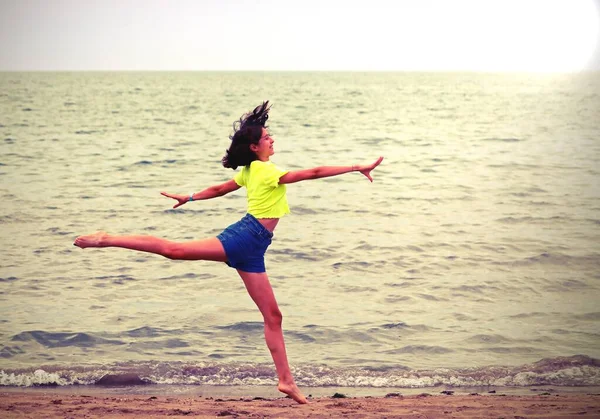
{"x":472,"y":260}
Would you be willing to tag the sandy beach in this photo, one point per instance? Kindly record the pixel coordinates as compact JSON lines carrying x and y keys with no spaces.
{"x":18,"y":403}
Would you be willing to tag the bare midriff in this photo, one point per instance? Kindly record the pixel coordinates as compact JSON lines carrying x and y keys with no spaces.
{"x":269,"y":223}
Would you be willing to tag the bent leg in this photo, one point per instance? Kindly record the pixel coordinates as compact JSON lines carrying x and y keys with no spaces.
{"x":208,"y":249}
{"x":261,"y":292}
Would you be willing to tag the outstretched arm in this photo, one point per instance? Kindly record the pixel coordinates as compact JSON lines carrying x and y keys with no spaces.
{"x":208,"y":193}
{"x":328,"y":171}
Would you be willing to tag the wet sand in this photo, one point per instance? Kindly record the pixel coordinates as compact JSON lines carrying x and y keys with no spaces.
{"x":24,"y":403}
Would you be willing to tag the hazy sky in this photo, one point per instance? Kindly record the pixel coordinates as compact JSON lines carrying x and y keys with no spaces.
{"x":480,"y":35}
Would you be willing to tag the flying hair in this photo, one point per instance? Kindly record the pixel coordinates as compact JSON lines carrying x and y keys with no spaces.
{"x":246,"y":131}
{"x":258,"y":117}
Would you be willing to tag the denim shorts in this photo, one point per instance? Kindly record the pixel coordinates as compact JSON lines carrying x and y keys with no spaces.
{"x":245,"y":244}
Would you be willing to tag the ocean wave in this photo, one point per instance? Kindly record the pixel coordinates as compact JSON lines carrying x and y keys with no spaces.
{"x":147,"y":331}
{"x":420,"y":349}
{"x":297,"y":255}
{"x":533,"y":220}
{"x":555,"y":258}
{"x":503,"y":140}
{"x":56,"y":340}
{"x":578,"y":370}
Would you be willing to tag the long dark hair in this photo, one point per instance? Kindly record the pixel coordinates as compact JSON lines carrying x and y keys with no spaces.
{"x":247,"y":130}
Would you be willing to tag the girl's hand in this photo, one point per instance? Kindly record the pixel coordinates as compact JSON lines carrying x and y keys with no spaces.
{"x":181,"y":199}
{"x":366,"y":169}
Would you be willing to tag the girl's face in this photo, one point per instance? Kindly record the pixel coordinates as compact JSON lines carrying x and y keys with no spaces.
{"x":264,"y":148}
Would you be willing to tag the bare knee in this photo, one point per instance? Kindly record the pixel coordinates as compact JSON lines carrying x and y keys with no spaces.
{"x":273,"y":318}
{"x":172,"y":250}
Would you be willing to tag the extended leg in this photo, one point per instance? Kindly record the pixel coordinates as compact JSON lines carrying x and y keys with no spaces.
{"x":260,"y":290}
{"x":208,"y":249}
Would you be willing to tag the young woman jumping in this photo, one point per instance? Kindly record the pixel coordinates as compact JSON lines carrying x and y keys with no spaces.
{"x":242,"y":245}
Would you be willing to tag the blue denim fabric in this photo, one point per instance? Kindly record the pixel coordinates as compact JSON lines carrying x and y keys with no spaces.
{"x":245,"y":244}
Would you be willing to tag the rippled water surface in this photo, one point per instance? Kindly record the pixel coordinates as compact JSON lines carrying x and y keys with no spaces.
{"x":478,"y":244}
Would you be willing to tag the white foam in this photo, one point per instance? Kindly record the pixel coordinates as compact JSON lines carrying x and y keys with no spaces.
{"x":37,"y":378}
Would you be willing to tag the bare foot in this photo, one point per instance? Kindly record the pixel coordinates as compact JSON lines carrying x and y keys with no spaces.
{"x":91,"y":240}
{"x":293,"y":391}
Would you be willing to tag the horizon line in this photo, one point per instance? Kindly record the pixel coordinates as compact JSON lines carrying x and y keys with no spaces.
{"x":586,"y":70}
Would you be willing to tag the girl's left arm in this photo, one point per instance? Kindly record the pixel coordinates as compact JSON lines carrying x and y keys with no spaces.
{"x":328,"y":171}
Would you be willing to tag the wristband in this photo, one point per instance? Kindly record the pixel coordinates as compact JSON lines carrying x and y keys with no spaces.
{"x":191,"y":197}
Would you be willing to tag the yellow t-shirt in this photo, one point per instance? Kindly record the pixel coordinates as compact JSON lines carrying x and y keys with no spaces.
{"x":266,"y":197}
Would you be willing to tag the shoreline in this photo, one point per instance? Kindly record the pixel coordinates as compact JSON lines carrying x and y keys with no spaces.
{"x":270,"y":391}
{"x":55,"y":402}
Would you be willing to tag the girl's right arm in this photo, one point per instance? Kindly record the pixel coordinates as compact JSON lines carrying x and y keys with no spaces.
{"x":208,"y":193}
{"x":328,"y":171}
